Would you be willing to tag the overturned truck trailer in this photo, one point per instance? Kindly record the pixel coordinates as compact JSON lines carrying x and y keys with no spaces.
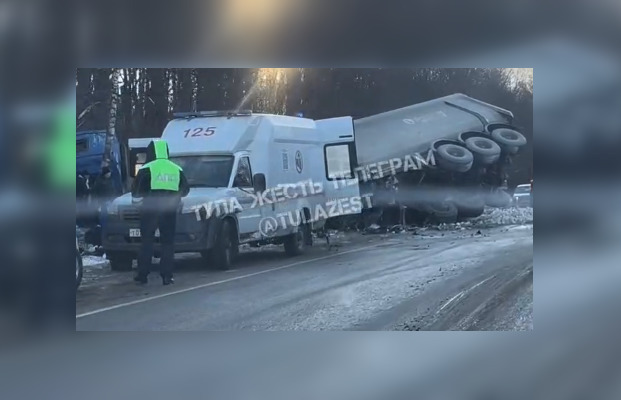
{"x":448,"y":155}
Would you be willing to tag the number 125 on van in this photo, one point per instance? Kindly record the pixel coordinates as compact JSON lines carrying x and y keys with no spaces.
{"x":198,"y":132}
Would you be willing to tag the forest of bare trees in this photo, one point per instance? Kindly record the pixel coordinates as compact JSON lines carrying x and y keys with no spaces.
{"x":146,"y":97}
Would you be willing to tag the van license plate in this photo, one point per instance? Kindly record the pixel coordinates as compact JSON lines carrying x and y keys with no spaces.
{"x":136,"y":233}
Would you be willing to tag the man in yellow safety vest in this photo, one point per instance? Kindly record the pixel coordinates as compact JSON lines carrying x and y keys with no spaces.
{"x":161,"y":184}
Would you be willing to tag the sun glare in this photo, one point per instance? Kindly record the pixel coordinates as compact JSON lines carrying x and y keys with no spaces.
{"x":272,"y":74}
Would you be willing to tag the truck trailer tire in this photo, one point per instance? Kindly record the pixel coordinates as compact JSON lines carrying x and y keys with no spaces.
{"x":296,"y":243}
{"x":120,"y":261}
{"x":498,"y":199}
{"x":470,"y":206}
{"x":441,"y":212}
{"x":485,"y":150}
{"x":226,"y":248}
{"x":509,"y":139}
{"x":454,"y":158}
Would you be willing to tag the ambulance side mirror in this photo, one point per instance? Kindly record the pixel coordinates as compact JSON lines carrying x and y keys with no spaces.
{"x":258,"y":181}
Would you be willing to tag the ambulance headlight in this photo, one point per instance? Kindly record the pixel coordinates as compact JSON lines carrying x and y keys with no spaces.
{"x":112,"y":209}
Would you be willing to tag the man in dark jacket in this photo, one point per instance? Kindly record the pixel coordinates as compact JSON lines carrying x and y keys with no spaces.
{"x":104,"y":188}
{"x":161,"y":184}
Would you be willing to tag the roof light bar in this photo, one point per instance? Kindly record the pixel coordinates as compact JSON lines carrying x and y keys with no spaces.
{"x":224,"y":113}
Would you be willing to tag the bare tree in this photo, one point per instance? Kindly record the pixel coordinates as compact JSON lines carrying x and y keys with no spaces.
{"x":82,"y":116}
{"x":115,"y":76}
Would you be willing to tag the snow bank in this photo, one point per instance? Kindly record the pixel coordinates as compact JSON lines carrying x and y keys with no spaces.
{"x":94,"y":261}
{"x":492,"y":217}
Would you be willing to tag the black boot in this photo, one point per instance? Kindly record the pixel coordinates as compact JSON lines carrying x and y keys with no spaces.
{"x":167,"y":280}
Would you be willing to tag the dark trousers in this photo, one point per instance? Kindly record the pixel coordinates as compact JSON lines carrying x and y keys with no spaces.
{"x":150,"y":220}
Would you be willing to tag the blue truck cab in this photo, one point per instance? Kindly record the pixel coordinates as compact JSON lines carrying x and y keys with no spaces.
{"x":90,"y":147}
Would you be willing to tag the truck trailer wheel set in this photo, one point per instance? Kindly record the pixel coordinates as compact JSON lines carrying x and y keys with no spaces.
{"x":472,"y":148}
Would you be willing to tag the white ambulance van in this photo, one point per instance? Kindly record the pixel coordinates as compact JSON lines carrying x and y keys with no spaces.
{"x":254,"y":178}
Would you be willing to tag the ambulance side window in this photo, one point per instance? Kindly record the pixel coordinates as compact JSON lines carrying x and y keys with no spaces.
{"x":338,"y":161}
{"x":243,"y":176}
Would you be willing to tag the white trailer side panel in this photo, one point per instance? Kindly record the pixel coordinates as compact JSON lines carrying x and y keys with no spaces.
{"x":412,"y":129}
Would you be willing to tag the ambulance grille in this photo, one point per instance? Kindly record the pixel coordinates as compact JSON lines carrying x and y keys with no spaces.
{"x":129,"y":213}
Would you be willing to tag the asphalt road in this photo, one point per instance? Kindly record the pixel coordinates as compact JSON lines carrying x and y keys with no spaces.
{"x":432,"y":280}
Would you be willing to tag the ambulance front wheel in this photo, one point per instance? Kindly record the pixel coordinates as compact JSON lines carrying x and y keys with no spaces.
{"x":120,"y":261}
{"x":296,"y":243}
{"x":226,"y":248}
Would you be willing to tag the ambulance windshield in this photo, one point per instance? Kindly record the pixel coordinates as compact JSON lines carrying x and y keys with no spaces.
{"x":206,"y":171}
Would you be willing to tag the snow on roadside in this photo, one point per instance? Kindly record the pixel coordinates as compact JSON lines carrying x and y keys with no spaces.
{"x":248,"y":248}
{"x":94,"y":261}
{"x":492,"y":217}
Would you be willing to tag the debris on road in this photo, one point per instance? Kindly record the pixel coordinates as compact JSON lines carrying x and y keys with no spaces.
{"x":493,"y":217}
